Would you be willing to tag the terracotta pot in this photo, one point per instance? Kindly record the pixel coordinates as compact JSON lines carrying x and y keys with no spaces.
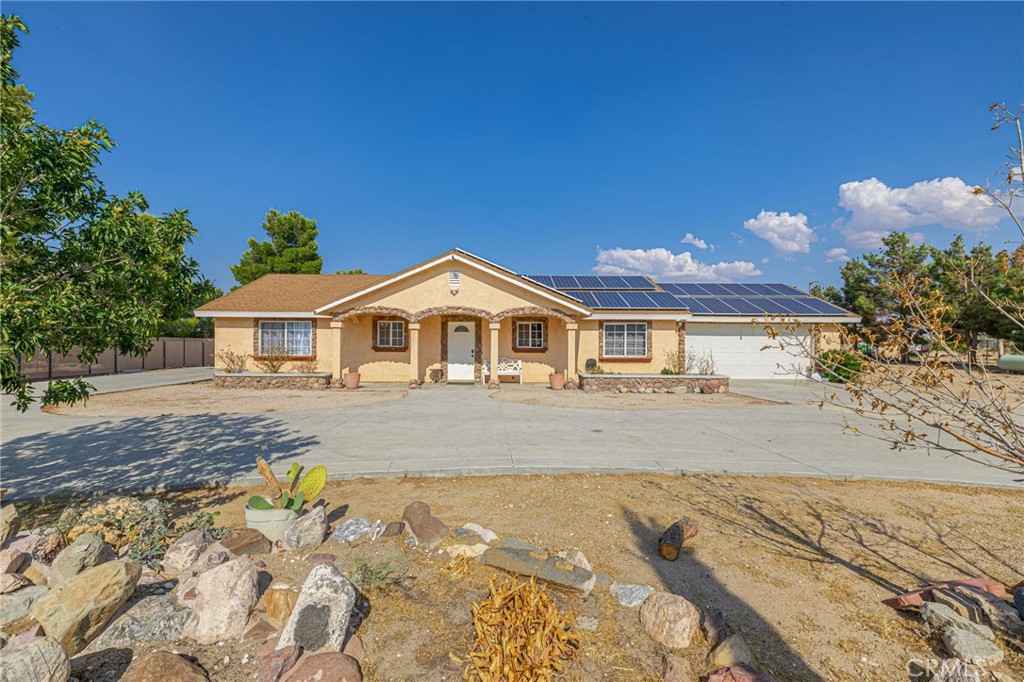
{"x":352,"y":380}
{"x":557,"y":381}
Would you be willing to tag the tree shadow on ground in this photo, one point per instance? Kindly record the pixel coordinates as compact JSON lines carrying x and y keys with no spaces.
{"x":147,"y":452}
{"x":693,"y":580}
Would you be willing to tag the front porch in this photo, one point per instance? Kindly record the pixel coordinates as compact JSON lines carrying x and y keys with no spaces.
{"x":452,"y":344}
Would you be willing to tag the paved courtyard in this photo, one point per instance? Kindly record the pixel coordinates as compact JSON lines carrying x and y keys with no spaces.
{"x":452,"y":430}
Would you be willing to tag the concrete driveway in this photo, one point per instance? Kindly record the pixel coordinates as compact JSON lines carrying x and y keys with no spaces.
{"x":460,"y":430}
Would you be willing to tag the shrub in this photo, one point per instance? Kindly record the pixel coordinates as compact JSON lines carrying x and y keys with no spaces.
{"x":700,"y":363}
{"x":305,"y":366}
{"x":273,"y":361}
{"x":374,"y":574}
{"x":840,"y":366}
{"x":234,"y":363}
{"x":673,"y":363}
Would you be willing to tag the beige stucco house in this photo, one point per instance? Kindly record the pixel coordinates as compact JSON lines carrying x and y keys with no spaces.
{"x":460,"y":318}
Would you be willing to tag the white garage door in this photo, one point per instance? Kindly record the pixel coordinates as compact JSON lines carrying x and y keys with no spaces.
{"x":737,"y":351}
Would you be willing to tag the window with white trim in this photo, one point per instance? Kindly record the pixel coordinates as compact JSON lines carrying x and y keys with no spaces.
{"x":625,"y":339}
{"x":530,"y":335}
{"x":391,"y":334}
{"x":287,"y":338}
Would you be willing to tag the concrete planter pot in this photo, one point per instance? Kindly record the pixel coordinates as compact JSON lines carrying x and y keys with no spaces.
{"x":352,"y":380}
{"x":557,"y":381}
{"x":271,"y":522}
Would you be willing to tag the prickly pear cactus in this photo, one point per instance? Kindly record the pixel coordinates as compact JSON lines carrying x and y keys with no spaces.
{"x":257,"y":502}
{"x":313,"y":482}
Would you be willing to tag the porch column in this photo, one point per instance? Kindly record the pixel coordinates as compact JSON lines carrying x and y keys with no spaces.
{"x":414,"y":353}
{"x":336,"y":330}
{"x":494,"y":327}
{"x":570,"y":360}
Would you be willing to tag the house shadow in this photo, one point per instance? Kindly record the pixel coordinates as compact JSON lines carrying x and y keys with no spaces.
{"x":145,"y":453}
{"x":690,"y":578}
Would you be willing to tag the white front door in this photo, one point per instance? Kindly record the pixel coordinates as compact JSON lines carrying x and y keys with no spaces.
{"x":461,"y":340}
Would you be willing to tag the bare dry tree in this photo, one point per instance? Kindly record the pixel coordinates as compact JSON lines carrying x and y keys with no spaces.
{"x":943,"y":399}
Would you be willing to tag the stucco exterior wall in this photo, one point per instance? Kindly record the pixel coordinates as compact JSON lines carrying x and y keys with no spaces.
{"x":238,"y":334}
{"x":663,"y":338}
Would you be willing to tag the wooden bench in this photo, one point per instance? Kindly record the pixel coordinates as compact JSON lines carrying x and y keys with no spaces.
{"x":507,"y":367}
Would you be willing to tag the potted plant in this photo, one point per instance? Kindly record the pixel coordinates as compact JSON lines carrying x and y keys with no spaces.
{"x":272,"y":516}
{"x":557,"y":380}
{"x":352,"y":380}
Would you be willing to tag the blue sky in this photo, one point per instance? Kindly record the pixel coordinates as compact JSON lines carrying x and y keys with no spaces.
{"x":550,"y":138}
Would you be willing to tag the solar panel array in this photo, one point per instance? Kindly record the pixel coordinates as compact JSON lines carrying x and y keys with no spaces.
{"x":637,"y":293}
{"x":592,"y":282}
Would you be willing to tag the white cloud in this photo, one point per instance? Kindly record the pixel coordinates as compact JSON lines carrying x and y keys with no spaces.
{"x":877,"y":209}
{"x":695,"y":241}
{"x":837,"y":255}
{"x":765,"y":260}
{"x":787,"y":233}
{"x":662,"y":263}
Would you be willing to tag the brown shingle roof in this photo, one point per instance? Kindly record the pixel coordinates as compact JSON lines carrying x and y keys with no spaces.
{"x":290,"y":293}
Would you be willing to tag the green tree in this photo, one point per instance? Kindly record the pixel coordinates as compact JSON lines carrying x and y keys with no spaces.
{"x":353,"y":271}
{"x":190,"y":325}
{"x":867,"y":281}
{"x":827,"y":293}
{"x":292,"y":248}
{"x":79,"y":267}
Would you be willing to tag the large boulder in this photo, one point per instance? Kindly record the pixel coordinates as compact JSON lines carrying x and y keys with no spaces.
{"x":159,"y":617}
{"x":224,"y":597}
{"x":541,"y":565}
{"x":12,"y":582}
{"x":13,"y":560}
{"x":308,"y":531}
{"x":186,"y":550}
{"x":246,"y":542}
{"x":41,"y":659}
{"x":87,"y":551}
{"x":942,"y":618}
{"x":425,"y":527}
{"x":18,"y":604}
{"x":319,"y":621}
{"x":10,"y":522}
{"x":971,"y":648}
{"x":329,"y":666}
{"x":732,"y":650}
{"x":75,"y":611}
{"x":669,"y":619}
{"x":165,"y":666}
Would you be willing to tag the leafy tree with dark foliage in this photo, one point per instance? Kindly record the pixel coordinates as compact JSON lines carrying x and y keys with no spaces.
{"x":79,"y":267}
{"x":291,"y":249}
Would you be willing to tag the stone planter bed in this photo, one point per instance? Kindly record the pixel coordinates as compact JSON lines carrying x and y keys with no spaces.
{"x":655,"y":383}
{"x":316,"y":381}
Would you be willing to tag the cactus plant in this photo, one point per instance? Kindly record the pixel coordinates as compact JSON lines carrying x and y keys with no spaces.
{"x":313,"y":482}
{"x":258,"y":502}
{"x":293,"y":494}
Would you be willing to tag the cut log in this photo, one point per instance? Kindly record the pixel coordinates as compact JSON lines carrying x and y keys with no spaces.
{"x":671,"y":541}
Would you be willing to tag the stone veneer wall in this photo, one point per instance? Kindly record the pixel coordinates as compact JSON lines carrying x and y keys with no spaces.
{"x":654,"y":383}
{"x":309,"y":382}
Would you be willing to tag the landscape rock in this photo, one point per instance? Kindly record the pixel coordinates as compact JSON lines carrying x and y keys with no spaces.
{"x":48,"y":546}
{"x":260,"y":630}
{"x":280,"y":600}
{"x":519,"y":543}
{"x":488,"y":536}
{"x":425,"y":527}
{"x":42,"y":659}
{"x":377,"y":530}
{"x":587,"y":623}
{"x":541,"y":565}
{"x":308,"y":530}
{"x":10,"y":522}
{"x":942,"y":618}
{"x":468,"y":551}
{"x":322,"y":558}
{"x":1018,"y":601}
{"x":732,"y":651}
{"x":32,"y":630}
{"x":631,"y":596}
{"x":320,"y":618}
{"x":355,"y":647}
{"x":676,"y":669}
{"x":87,"y":551}
{"x":578,"y":558}
{"x":739,"y":673}
{"x":352,"y":530}
{"x":18,"y":604}
{"x":670,"y":620}
{"x":1002,"y":615}
{"x":159,"y":617}
{"x":13,"y":560}
{"x":224,"y":598}
{"x":967,"y":608}
{"x":165,"y":666}
{"x":971,"y":648}
{"x":186,"y":550}
{"x":712,"y":623}
{"x":11,"y":582}
{"x":393,"y":529}
{"x":278,"y":662}
{"x":246,"y":542}
{"x":329,"y":666}
{"x":914,"y":598}
{"x":75,"y":611}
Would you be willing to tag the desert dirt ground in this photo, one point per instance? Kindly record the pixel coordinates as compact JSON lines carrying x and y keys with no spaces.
{"x":798,"y":567}
{"x":606,"y":400}
{"x":203,"y":398}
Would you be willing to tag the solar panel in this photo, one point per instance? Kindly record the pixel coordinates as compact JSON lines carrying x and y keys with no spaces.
{"x":541,"y":279}
{"x":823,"y":307}
{"x":633,"y":282}
{"x":760,"y":289}
{"x":785,"y":290}
{"x":743,"y":290}
{"x":694,"y":305}
{"x":589,"y":282}
{"x":564,"y":282}
{"x":684,"y":289}
{"x":716,"y":289}
{"x":797,"y":306}
{"x":718,"y":306}
{"x":663,"y":299}
{"x":637,"y":299}
{"x":609,"y":299}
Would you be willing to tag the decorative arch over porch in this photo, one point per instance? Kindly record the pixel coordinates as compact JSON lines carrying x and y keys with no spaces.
{"x":532,"y":311}
{"x":382,"y":311}
{"x":449,"y":310}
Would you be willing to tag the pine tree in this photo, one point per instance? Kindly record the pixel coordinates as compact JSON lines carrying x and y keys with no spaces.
{"x":292,"y":248}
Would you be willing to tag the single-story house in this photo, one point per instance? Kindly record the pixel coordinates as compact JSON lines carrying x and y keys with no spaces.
{"x":460,"y":318}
